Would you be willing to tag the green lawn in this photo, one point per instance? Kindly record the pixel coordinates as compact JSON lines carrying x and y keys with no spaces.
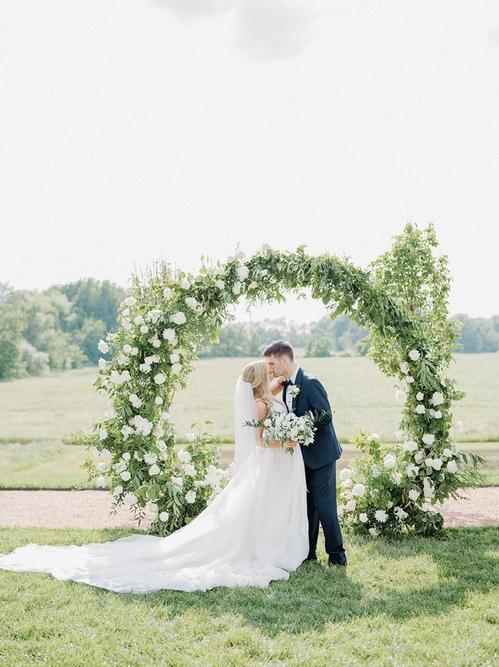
{"x":411,"y":602}
{"x":52,"y":407}
{"x":55,"y":465}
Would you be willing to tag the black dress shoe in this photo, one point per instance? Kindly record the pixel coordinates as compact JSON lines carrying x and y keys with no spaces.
{"x":337,"y":562}
{"x":311,"y":558}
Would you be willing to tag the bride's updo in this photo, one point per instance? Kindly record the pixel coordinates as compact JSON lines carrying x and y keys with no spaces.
{"x":256,"y":373}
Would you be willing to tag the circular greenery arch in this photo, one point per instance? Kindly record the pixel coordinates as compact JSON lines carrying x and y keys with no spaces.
{"x":401,"y":299}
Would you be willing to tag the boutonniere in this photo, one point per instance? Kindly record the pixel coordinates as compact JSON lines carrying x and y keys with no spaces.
{"x":294,"y":390}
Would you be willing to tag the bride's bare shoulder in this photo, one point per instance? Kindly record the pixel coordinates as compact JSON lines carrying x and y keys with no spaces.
{"x":261,"y":408}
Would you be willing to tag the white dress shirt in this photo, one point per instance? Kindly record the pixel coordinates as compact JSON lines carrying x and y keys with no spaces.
{"x":289,"y":397}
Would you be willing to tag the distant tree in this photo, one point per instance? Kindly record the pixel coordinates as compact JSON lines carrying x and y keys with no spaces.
{"x":11,"y":328}
{"x":95,"y":299}
{"x":477,"y":334}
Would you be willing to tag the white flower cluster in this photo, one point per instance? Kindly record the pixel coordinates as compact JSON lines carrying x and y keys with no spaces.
{"x":286,"y":426}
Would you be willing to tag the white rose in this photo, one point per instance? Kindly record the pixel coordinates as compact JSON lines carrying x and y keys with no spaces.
{"x":130,"y":498}
{"x":428,"y":438}
{"x":242,"y":273}
{"x":185,"y":284}
{"x":389,"y":461}
{"x":118,"y":490}
{"x":178,"y":482}
{"x":164,"y":516}
{"x":176,"y":368}
{"x":144,"y":329}
{"x":381,"y":516}
{"x":374,"y":532}
{"x":397,"y":478}
{"x":236,"y":289}
{"x":346,"y":473}
{"x":190,"y":497}
{"x":102,"y":363}
{"x":346,"y":483}
{"x":191,"y":302}
{"x":414,"y":355}
{"x":167,"y":293}
{"x":138,"y":320}
{"x":358,"y":490}
{"x":351,"y":505}
{"x":404,"y":367}
{"x":400,"y":513}
{"x":152,"y":507}
{"x":125,"y":475}
{"x":130,"y":301}
{"x":253,"y":285}
{"x":103,"y":346}
{"x":420,"y":409}
{"x":135,"y":351}
{"x":419,"y":396}
{"x":436,"y":414}
{"x":183,"y":456}
{"x":220,"y":284}
{"x":159,"y":378}
{"x":106,"y":454}
{"x":178,"y":318}
{"x":175,"y":357}
{"x":169,"y":335}
{"x":145,"y":368}
{"x":154,"y":469}
{"x":158,"y":400}
{"x":447,"y":452}
{"x":414,"y":495}
{"x":409,"y":379}
{"x":428,"y":490}
{"x":363,"y":517}
{"x":437,"y":398}
{"x":419,"y":456}
{"x":100,"y":481}
{"x":452,"y":466}
{"x":412,"y":470}
{"x":102,"y":433}
{"x":437,"y":464}
{"x":190,"y":437}
{"x":127,"y":349}
{"x":410,"y":446}
{"x":426,"y":507}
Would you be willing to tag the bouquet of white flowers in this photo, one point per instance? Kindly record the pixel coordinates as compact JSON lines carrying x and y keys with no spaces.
{"x":286,"y":426}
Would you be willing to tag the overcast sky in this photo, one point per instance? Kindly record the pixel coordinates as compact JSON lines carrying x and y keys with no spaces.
{"x":132,"y":130}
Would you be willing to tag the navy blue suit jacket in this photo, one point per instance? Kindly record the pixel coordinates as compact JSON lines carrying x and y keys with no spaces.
{"x":312,"y":396}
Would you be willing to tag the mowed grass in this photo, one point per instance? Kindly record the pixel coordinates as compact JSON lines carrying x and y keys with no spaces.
{"x":52,"y":407}
{"x":411,"y":602}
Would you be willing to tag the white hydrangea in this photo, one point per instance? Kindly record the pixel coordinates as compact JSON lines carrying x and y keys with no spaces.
{"x":346,"y":473}
{"x":153,"y":315}
{"x":143,"y":425}
{"x":410,"y":446}
{"x":428,"y":439}
{"x":358,"y":490}
{"x":103,"y":346}
{"x":178,"y":318}
{"x":242,"y":273}
{"x":437,"y":398}
{"x":191,"y":302}
{"x":169,"y":335}
{"x":381,"y":516}
{"x":389,"y":461}
{"x":159,"y":378}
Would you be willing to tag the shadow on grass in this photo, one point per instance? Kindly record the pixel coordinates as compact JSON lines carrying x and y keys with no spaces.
{"x":385,"y":578}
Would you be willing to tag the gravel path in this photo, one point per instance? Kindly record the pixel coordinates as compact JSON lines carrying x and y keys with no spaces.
{"x":90,"y":509}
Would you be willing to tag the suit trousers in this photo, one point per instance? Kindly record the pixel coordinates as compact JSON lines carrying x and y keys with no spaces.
{"x":321,"y":508}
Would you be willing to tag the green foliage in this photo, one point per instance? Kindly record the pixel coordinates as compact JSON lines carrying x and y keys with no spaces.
{"x":168,"y":316}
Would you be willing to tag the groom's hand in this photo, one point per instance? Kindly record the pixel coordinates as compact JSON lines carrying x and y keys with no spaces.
{"x":290,"y":443}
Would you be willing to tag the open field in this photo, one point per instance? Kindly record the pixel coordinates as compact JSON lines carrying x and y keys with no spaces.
{"x":50,"y":408}
{"x":393,"y":595}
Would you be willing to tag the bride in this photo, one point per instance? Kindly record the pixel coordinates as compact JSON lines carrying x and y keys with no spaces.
{"x":253,"y":532}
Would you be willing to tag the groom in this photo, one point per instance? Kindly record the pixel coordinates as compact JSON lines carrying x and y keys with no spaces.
{"x":301,"y":393}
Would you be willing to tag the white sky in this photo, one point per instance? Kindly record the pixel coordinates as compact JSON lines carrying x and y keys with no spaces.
{"x":134,"y":130}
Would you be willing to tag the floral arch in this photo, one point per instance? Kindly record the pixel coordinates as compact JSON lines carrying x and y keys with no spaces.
{"x":402,"y":301}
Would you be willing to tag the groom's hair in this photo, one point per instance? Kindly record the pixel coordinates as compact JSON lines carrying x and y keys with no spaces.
{"x":279,"y":348}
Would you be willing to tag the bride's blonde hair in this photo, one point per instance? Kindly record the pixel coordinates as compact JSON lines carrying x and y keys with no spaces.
{"x":256,"y":374}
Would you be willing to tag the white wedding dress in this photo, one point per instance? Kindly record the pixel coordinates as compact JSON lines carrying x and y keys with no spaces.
{"x":253,"y":532}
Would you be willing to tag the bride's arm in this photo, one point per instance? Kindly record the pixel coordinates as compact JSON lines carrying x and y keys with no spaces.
{"x":261,"y":412}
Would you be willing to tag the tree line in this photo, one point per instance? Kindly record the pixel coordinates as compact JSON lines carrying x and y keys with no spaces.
{"x":59,"y":328}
